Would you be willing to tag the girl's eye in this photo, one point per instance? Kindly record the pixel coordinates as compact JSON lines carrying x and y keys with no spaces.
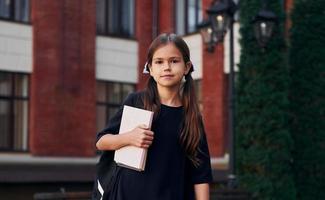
{"x":174,"y":61}
{"x":158,"y":62}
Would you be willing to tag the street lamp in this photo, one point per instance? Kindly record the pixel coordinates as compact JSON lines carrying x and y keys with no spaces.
{"x":264,"y":23}
{"x":221,"y":17}
{"x":209,"y":38}
{"x":214,"y":29}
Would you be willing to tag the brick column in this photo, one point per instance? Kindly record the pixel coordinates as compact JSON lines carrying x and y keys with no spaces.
{"x":214,"y":94}
{"x":144,"y":22}
{"x":62,"y":103}
{"x":167,"y":16}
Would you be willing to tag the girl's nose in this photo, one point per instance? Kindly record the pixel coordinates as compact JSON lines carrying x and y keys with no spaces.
{"x":167,"y":66}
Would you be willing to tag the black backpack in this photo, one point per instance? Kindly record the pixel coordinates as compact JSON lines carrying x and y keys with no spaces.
{"x":107,"y":173}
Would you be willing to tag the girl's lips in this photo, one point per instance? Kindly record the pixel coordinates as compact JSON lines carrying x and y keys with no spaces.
{"x":167,"y":76}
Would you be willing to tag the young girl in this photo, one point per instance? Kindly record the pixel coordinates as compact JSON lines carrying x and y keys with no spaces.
{"x":178,"y":162}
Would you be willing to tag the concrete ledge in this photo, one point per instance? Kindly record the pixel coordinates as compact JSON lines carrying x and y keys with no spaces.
{"x":29,"y":159}
{"x":25,"y":168}
{"x":21,"y":168}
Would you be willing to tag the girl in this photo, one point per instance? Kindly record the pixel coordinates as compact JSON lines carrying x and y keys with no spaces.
{"x":178,"y":162}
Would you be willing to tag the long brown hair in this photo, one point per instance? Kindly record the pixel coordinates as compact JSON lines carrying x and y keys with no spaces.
{"x":191,"y":130}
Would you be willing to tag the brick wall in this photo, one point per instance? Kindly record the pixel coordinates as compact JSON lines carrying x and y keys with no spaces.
{"x":213,"y":92}
{"x":166,"y":15}
{"x":143,"y":28}
{"x":62,"y":100}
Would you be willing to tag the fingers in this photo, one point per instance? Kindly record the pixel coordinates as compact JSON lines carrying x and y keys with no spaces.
{"x":145,"y":144}
{"x":144,"y":137}
{"x":148,"y":137}
{"x":143,"y":126}
{"x":141,"y":136}
{"x":147,"y":134}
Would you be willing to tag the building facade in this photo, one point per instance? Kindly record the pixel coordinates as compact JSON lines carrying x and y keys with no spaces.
{"x":65,"y":68}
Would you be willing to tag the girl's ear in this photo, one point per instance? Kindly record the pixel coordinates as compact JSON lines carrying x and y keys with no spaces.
{"x":188,"y":66}
{"x":149,"y":68}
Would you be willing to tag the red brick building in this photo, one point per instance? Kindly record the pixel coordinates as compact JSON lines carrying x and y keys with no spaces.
{"x":65,"y":67}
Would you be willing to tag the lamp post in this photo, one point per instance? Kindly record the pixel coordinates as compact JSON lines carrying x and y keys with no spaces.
{"x":221,"y":17}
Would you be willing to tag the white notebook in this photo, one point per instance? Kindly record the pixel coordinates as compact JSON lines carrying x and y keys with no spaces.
{"x":130,"y":156}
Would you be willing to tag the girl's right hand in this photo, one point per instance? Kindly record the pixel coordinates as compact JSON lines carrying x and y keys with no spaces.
{"x":141,"y":136}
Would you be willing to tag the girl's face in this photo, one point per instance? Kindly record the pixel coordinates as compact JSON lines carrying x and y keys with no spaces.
{"x":168,"y":67}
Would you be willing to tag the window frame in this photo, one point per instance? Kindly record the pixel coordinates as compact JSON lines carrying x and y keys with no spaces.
{"x":106,"y":20}
{"x":11,"y":99}
{"x":107,"y":104}
{"x":12,"y":12}
{"x":186,"y":17}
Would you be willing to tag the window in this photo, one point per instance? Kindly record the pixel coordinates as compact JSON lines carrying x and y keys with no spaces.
{"x":15,"y":10}
{"x":110,"y":96}
{"x":115,"y":17}
{"x":13,"y":111}
{"x":188,"y":16}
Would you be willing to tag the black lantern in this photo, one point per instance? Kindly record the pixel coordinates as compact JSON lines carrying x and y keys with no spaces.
{"x":220,"y":16}
{"x":264,"y":23}
{"x":209,"y":38}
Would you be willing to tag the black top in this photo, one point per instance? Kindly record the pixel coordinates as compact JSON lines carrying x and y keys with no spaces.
{"x":168,"y":175}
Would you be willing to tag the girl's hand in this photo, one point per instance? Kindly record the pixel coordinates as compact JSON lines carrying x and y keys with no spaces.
{"x":140,"y":136}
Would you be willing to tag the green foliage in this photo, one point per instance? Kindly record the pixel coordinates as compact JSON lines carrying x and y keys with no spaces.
{"x":307,"y":92}
{"x":264,"y":144}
